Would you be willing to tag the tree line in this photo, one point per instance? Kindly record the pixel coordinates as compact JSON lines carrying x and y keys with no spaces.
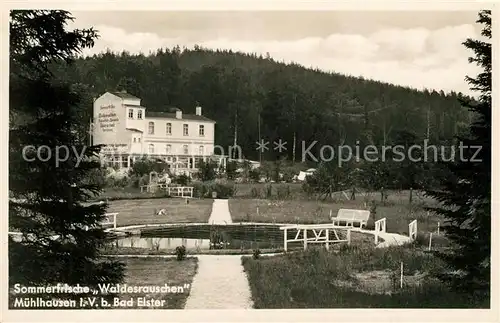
{"x":253,"y":97}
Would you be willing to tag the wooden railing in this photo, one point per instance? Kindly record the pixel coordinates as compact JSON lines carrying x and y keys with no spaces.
{"x":412,"y":230}
{"x":110,"y":219}
{"x":380,"y":227}
{"x":174,"y":191}
{"x":320,"y":234}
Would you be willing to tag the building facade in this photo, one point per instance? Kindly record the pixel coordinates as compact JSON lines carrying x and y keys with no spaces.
{"x":129,"y":132}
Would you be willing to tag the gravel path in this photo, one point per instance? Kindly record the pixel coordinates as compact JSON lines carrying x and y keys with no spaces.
{"x":390,"y":239}
{"x":220,"y":282}
{"x":220,"y":213}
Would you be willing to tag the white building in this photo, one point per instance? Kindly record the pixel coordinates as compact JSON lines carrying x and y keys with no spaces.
{"x":129,"y":132}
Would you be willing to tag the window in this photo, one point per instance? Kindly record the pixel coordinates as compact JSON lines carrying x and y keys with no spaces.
{"x":135,"y":139}
{"x":201,"y":130}
{"x":151,"y":148}
{"x":139,"y":139}
{"x":151,"y":129}
{"x":131,"y":113}
{"x":185,"y":130}
{"x":124,"y":161}
{"x":201,"y":150}
{"x":186,"y":150}
{"x":139,"y":114}
{"x":169,"y":128}
{"x":168,"y":149}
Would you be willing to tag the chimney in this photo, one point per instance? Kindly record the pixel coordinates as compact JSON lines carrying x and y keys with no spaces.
{"x":178,"y":114}
{"x":198,"y":111}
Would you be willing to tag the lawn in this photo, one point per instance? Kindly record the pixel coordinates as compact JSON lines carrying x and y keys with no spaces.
{"x":398,"y":215}
{"x":123,"y":193}
{"x":354,"y":278}
{"x":250,"y":190}
{"x":143,"y":211}
{"x":158,"y":272}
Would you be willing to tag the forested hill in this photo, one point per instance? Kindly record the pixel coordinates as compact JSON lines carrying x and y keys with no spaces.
{"x":293,"y":102}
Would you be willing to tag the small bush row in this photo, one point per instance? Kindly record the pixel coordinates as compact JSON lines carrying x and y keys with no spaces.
{"x":205,"y":190}
{"x":282,"y":192}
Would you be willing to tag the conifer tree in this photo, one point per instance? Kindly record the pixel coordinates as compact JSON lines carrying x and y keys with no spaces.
{"x":465,"y":195}
{"x":61,"y":237}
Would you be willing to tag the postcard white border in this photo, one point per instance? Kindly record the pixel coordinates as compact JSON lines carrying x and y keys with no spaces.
{"x":294,"y":315}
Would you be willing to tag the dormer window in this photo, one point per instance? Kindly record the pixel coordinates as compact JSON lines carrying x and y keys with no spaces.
{"x":139,"y":114}
{"x":131,"y":113}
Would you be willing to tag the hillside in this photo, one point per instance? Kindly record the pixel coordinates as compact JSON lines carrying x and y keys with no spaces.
{"x":292,"y":101}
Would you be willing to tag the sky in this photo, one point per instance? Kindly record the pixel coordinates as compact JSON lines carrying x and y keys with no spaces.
{"x":417,"y":49}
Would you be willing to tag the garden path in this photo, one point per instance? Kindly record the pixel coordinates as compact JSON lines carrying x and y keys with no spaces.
{"x":390,"y":239}
{"x":220,"y":213}
{"x":220,"y":282}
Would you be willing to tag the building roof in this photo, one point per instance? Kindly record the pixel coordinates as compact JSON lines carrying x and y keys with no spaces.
{"x":171,"y":115}
{"x":133,"y":106}
{"x":134,"y":130}
{"x":124,"y":95}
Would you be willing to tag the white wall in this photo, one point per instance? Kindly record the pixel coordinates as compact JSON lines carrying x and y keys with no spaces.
{"x":111,"y":118}
{"x":176,"y":148}
{"x":136,"y":123}
{"x":109,"y":125}
{"x":176,"y":139}
{"x":160,"y":130}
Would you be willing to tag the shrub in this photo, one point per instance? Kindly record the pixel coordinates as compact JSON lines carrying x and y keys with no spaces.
{"x":269,"y":191}
{"x":161,"y":193}
{"x":182,"y":179}
{"x":143,"y":180}
{"x":133,"y":181}
{"x":254,"y":192}
{"x":97,"y":177}
{"x":283,"y":192}
{"x":216,"y":239}
{"x":201,"y":190}
{"x":223,"y":190}
{"x":373,"y":210}
{"x":116,"y":182}
{"x":180,"y":252}
{"x":207,"y":171}
{"x":254,"y":175}
{"x":146,"y":165}
{"x":230,"y":170}
{"x":288,"y":174}
{"x":256,"y":253}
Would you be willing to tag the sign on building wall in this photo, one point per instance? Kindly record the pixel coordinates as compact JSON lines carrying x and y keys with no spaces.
{"x":115,"y":148}
{"x":107,"y":118}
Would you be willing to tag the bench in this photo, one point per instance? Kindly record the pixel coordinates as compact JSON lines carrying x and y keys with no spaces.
{"x":350,"y":217}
